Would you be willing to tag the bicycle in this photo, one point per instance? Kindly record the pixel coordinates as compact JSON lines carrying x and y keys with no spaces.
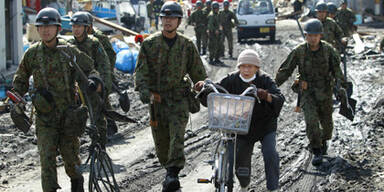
{"x":230,"y":115}
{"x":101,"y":175}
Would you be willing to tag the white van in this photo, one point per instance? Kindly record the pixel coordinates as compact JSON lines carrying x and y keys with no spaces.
{"x":256,"y":19}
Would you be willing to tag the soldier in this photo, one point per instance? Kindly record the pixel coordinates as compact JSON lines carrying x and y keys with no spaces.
{"x":165,"y":58}
{"x":199,"y":20}
{"x":208,"y":7}
{"x":92,"y":47}
{"x":214,"y":31}
{"x":332,"y":9}
{"x":156,"y":8}
{"x":318,"y":64}
{"x":345,"y":17}
{"x":150,"y":12}
{"x":104,"y":40}
{"x":53,"y":97}
{"x":226,"y":21}
{"x":332,"y":32}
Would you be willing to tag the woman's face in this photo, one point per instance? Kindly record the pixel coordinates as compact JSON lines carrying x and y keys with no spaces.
{"x":248,"y":70}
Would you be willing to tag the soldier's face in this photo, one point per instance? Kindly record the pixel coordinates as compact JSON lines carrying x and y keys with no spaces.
{"x":344,"y":6}
{"x":248,"y":70}
{"x":170,"y":23}
{"x":78,"y":30}
{"x":48,"y":32}
{"x":313,"y":39}
{"x":331,"y":15}
{"x":321,"y":15}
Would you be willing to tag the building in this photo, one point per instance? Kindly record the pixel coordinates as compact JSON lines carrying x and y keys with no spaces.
{"x":11,"y":30}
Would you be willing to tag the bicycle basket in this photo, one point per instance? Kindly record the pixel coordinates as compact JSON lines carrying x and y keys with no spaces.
{"x":230,"y":113}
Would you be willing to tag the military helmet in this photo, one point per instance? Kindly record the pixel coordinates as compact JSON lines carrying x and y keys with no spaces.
{"x":321,"y":6}
{"x":215,"y":5}
{"x":90,"y":17}
{"x":344,"y":2}
{"x":313,"y":26}
{"x":208,"y":2}
{"x":48,"y":16}
{"x":332,"y":8}
{"x":171,"y":9}
{"x":226,"y":3}
{"x":80,"y":18}
{"x":199,"y":4}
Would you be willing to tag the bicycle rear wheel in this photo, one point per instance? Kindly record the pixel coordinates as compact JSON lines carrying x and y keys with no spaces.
{"x":101,"y":175}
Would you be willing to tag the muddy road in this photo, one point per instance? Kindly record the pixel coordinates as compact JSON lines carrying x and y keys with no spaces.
{"x":356,"y":154}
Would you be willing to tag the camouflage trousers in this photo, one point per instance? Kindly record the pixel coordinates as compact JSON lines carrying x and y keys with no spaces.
{"x":168,"y":135}
{"x":50,"y":142}
{"x":214,"y":45}
{"x":227,"y":33}
{"x":318,"y":120}
{"x":201,"y":38}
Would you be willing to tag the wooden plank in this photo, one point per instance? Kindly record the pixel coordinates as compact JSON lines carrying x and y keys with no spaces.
{"x":115,"y":26}
{"x":359,"y":45}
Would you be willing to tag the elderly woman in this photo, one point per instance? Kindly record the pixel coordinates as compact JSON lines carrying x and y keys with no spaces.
{"x":264,"y":118}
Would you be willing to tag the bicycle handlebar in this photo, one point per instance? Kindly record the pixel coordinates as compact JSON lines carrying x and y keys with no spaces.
{"x":208,"y":83}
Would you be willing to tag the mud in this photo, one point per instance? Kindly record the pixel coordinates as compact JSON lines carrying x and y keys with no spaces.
{"x":356,"y":153}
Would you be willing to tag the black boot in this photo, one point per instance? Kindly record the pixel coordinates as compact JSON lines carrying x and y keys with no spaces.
{"x":204,"y":51}
{"x":111,"y":127}
{"x":77,"y":185}
{"x":317,"y":158}
{"x":171,"y":182}
{"x":324,"y":148}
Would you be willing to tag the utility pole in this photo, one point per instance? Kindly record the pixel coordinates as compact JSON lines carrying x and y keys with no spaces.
{"x":3,"y":55}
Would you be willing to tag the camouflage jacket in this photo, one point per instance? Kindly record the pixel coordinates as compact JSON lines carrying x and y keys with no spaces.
{"x":207,"y":11}
{"x":345,"y":18}
{"x":332,"y":32}
{"x":214,"y":21}
{"x":199,"y":19}
{"x":318,"y":68}
{"x":52,"y":71}
{"x":104,"y":40}
{"x":93,"y":48}
{"x":226,"y":17}
{"x":150,"y":12}
{"x":162,"y":69}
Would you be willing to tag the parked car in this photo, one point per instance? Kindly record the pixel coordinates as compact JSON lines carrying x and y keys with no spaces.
{"x":256,"y":19}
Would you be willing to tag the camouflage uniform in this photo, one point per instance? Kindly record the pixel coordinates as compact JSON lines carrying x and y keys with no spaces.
{"x":150,"y":12}
{"x":51,"y":71}
{"x":317,"y":68}
{"x":332,"y":32}
{"x":226,"y":21}
{"x":200,"y":19}
{"x":382,"y":45}
{"x":104,"y":40}
{"x":345,"y":18}
{"x":207,"y":11}
{"x":93,"y":48}
{"x":214,"y":24}
{"x":162,"y":69}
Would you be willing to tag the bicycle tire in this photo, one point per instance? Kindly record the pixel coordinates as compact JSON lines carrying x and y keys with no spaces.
{"x":101,"y":176}
{"x":223,"y":171}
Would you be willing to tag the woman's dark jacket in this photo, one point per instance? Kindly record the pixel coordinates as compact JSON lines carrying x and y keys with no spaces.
{"x":264,"y":117}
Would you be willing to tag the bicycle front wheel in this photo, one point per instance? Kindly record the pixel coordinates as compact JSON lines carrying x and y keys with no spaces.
{"x":224,"y":177}
{"x":101,"y":175}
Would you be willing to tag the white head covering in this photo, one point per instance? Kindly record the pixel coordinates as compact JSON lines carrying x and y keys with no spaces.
{"x":248,"y":56}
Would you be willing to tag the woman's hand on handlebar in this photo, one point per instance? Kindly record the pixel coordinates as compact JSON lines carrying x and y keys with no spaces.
{"x":198,"y":86}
